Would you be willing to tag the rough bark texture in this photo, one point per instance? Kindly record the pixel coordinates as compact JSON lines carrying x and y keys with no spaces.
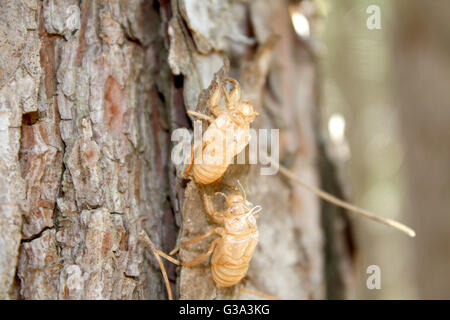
{"x":90,"y":93}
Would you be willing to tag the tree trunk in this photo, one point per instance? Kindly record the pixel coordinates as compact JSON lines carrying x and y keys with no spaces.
{"x":90,"y":94}
{"x":420,"y":48}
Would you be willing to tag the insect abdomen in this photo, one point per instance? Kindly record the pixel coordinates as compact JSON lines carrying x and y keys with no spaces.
{"x":208,"y":173}
{"x":228,"y":275}
{"x":231,"y":258}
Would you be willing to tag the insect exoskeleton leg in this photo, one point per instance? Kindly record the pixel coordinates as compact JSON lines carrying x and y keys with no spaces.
{"x":188,"y":169}
{"x":158,"y":254}
{"x":200,"y":116}
{"x":218,"y":231}
{"x":259,"y":294}
{"x":202,"y":257}
{"x":214,"y":100}
{"x":203,"y":236}
{"x":230,"y":186}
{"x":232,"y":97}
{"x":209,"y":206}
{"x":242,"y":190}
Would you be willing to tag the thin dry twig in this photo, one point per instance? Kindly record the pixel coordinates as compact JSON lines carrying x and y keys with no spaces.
{"x":341,"y":203}
{"x":157,"y":253}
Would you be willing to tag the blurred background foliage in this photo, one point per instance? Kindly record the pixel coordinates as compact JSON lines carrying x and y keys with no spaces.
{"x":386,"y":108}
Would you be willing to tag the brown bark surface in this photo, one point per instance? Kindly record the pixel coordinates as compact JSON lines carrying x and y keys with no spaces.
{"x":90,"y":92}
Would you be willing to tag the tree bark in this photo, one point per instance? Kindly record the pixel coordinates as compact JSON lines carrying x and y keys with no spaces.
{"x":90,"y":94}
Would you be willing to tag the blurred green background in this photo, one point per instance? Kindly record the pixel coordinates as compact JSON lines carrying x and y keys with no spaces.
{"x":386,"y":106}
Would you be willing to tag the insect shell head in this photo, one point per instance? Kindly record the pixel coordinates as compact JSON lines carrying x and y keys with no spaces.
{"x":236,"y":204}
{"x":244,"y":112}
